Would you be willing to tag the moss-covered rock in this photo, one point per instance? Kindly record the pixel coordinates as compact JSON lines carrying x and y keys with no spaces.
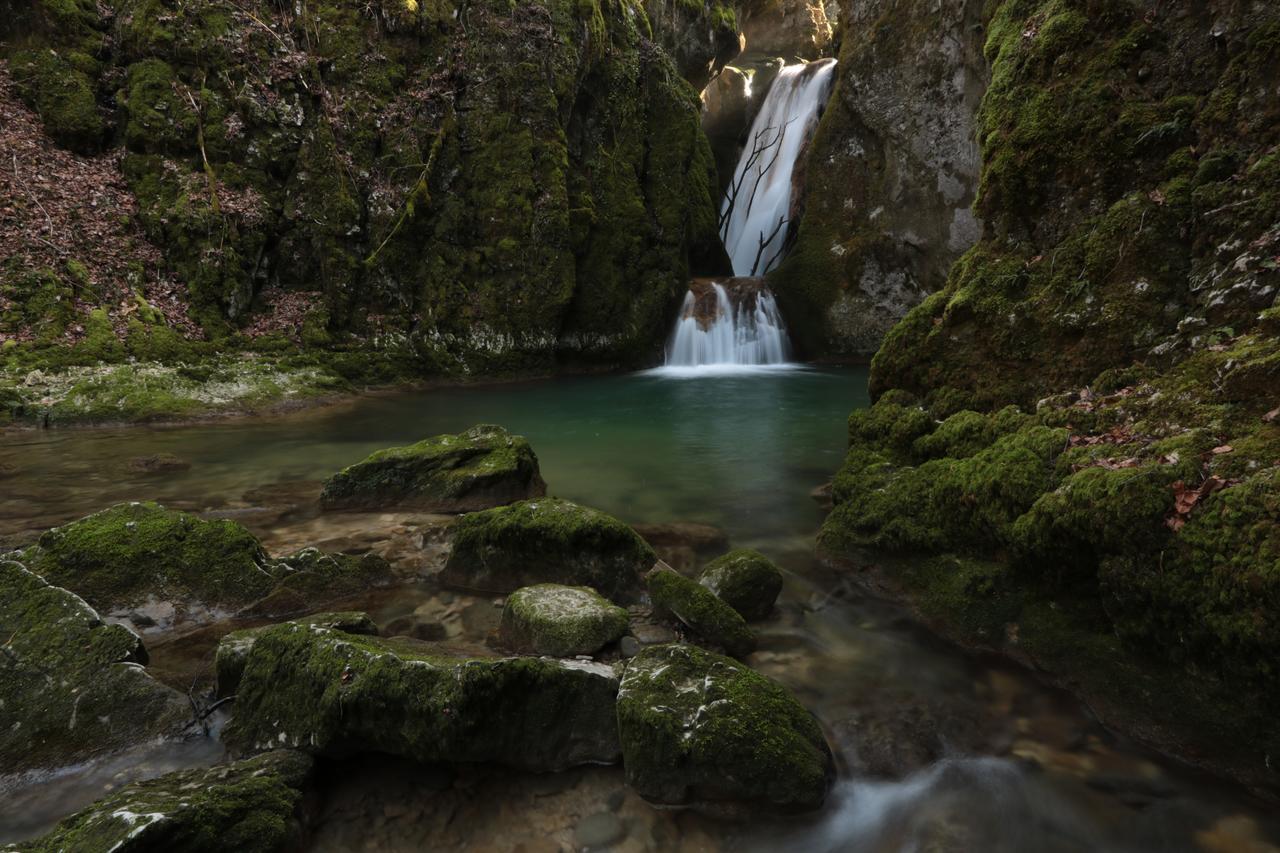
{"x":561,"y":621}
{"x":334,"y":693}
{"x":699,"y":608}
{"x":181,"y":567}
{"x":252,"y":805}
{"x":698,"y":728}
{"x":546,"y":540}
{"x":71,"y":687}
{"x":746,"y":580}
{"x":233,"y":649}
{"x":481,"y":468}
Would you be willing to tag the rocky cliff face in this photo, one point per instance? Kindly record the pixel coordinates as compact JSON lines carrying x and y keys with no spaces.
{"x":493,"y":186}
{"x":1078,"y":438}
{"x":891,"y":174}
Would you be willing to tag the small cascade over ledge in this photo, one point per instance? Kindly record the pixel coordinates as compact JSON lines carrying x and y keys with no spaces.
{"x":729,"y":323}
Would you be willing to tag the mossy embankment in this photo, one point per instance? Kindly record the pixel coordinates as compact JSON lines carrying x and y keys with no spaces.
{"x":1074,"y":456}
{"x":372,"y":194}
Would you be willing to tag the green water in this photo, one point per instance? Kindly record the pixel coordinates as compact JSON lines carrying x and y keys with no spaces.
{"x":740,"y":451}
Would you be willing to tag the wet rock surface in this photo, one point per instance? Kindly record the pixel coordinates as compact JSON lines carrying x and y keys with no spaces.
{"x":334,"y":693}
{"x":746,"y":580}
{"x":560,"y":621}
{"x":234,"y":648}
{"x":481,"y":468}
{"x":697,"y":727}
{"x":700,"y":609}
{"x":546,"y":540}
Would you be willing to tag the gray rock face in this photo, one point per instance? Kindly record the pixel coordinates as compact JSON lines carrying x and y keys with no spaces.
{"x":891,"y":175}
{"x":481,"y":468}
{"x":561,"y":621}
{"x":332,"y":693}
{"x":698,"y":728}
{"x":248,"y":805}
{"x":71,"y":686}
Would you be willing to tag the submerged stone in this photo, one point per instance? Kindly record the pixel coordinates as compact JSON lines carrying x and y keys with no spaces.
{"x":71,"y":686}
{"x":700,"y":609}
{"x":249,"y":805}
{"x":746,"y":580}
{"x":163,"y":566}
{"x":699,"y":728}
{"x":561,"y":621}
{"x":481,"y":468}
{"x":233,"y":649}
{"x":547,"y":540}
{"x":334,"y":694}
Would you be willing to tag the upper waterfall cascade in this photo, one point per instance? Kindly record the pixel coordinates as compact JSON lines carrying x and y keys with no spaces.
{"x":756,"y":213}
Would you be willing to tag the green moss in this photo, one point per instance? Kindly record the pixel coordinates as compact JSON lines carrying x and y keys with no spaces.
{"x":547,"y":540}
{"x":161,"y":116}
{"x":57,"y":86}
{"x":746,"y":580}
{"x":252,"y":805}
{"x":561,"y":621}
{"x":701,"y":609}
{"x":700,"y":728}
{"x":233,"y":648}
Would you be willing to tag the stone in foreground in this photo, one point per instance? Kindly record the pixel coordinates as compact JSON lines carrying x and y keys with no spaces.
{"x":71,"y":686}
{"x":698,"y":607}
{"x":561,"y":621}
{"x":233,"y":649}
{"x":335,"y":694}
{"x":247,"y":806}
{"x":746,"y":580}
{"x":546,"y":541}
{"x":701,"y":729}
{"x":481,"y":468}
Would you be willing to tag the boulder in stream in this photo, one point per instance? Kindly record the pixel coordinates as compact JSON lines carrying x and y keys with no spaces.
{"x":561,"y":621}
{"x":251,"y":806}
{"x":699,"y":608}
{"x":547,"y":540}
{"x":746,"y":580}
{"x":701,"y":729}
{"x":233,"y":649}
{"x":71,"y":686}
{"x":483,"y":467}
{"x":334,"y":693}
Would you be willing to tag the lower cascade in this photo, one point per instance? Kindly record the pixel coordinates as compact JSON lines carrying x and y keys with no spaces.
{"x":731,"y":323}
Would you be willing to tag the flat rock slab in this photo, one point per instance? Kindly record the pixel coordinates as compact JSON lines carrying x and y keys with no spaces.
{"x":698,"y":728}
{"x":547,"y":540}
{"x":333,"y":693}
{"x":560,"y":621}
{"x":481,"y":468}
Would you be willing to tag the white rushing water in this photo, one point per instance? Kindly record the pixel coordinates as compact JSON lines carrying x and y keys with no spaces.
{"x":748,"y":334}
{"x":757,"y":206}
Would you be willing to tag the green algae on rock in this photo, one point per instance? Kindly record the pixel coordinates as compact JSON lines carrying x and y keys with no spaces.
{"x":698,"y":607}
{"x":179,"y":566}
{"x":698,"y":728}
{"x":546,"y":540}
{"x":71,"y":686}
{"x":560,"y":621}
{"x":334,"y":693}
{"x":233,"y":649}
{"x":252,"y":805}
{"x":478,"y":469}
{"x":746,"y":580}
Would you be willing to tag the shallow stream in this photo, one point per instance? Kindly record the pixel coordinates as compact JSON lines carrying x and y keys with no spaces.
{"x":938,"y":750}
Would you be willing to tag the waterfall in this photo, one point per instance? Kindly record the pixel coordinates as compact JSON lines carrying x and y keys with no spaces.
{"x":716,"y":329}
{"x":756,"y":212}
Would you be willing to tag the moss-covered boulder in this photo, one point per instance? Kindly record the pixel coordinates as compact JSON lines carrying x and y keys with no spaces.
{"x":746,"y":580}
{"x":252,"y":805}
{"x":698,"y":728}
{"x":334,"y":693}
{"x":547,"y":540}
{"x":174,"y":566}
{"x":699,"y":608}
{"x":561,"y":621}
{"x":71,"y":687}
{"x":234,"y":648}
{"x":481,"y":468}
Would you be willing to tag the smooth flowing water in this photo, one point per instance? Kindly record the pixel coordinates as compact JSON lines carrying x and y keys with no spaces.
{"x":756,"y":211}
{"x":750,"y":333}
{"x":937,"y":750}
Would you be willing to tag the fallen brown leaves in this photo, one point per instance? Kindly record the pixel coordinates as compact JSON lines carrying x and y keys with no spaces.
{"x":56,"y":206}
{"x":1185,"y":498}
